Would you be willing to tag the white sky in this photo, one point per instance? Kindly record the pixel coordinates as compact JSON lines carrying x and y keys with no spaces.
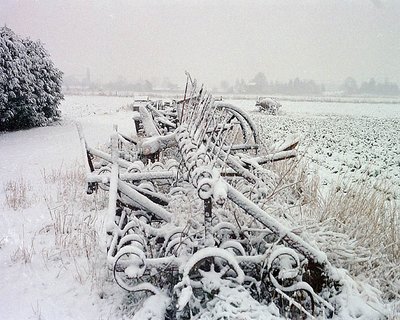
{"x":324,"y":40}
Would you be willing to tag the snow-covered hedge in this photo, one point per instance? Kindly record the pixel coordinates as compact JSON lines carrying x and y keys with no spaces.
{"x":30,"y":85}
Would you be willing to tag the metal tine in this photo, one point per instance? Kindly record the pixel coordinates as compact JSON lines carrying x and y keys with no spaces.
{"x":195,"y":116}
{"x":202,"y":105}
{"x":222,"y":120}
{"x":200,"y":123}
{"x":192,"y":93}
{"x":191,"y":104}
{"x":213,"y":131}
{"x":184,"y":96}
{"x":189,"y":109}
{"x":191,"y":116}
{"x":221,"y":146}
{"x":223,"y":123}
{"x":220,"y":138}
{"x":204,"y":128}
{"x":228,"y":151}
{"x":190,"y":78}
{"x":207,"y":102}
{"x":208,"y":142}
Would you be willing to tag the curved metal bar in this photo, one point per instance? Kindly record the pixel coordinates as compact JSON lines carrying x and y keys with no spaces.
{"x":242,"y":114}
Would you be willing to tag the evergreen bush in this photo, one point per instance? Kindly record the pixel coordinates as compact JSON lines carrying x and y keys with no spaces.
{"x":30,"y":84}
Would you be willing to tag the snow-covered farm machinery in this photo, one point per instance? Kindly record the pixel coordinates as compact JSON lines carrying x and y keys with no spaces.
{"x":268,"y":105}
{"x":187,"y":192}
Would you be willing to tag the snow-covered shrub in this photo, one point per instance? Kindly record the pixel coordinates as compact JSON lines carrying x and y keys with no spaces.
{"x":30,"y":85}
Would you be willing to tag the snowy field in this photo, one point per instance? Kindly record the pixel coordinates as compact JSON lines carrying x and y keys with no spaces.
{"x":357,"y":141}
{"x":44,"y":277}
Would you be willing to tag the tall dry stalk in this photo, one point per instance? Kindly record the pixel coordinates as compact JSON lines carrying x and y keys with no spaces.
{"x":75,"y":219}
{"x":358,"y":226}
{"x":17,"y":193}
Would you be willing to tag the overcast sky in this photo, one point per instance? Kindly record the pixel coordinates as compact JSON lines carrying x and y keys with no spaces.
{"x":324,"y":40}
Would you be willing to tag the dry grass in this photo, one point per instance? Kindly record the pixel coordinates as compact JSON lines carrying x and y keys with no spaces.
{"x":358,"y":227}
{"x":75,"y":220}
{"x":67,"y":190}
{"x":365,"y":214}
{"x":74,"y":226}
{"x":74,"y":232}
{"x":296,"y":176}
{"x":53,"y":175}
{"x":17,"y":193}
{"x":24,"y":252}
{"x":356,"y":223}
{"x":37,"y":311}
{"x":295,"y":179}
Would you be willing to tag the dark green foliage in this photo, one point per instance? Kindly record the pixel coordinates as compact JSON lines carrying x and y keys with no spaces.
{"x":30,"y":85}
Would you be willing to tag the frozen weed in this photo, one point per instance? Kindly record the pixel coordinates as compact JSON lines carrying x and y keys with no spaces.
{"x":357,"y":226}
{"x":365,"y":214}
{"x":295,"y":175}
{"x":2,"y":242}
{"x":356,"y":223}
{"x":74,"y":232}
{"x":24,"y":252}
{"x":126,"y":107}
{"x":37,"y":312}
{"x":17,"y":194}
{"x":69,"y":184}
{"x":75,"y":220}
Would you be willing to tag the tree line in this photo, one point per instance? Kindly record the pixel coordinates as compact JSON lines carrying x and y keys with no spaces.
{"x":260,"y":85}
{"x":371,"y":86}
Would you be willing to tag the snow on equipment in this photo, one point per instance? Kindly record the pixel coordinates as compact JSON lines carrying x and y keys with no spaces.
{"x":185,"y":214}
{"x":268,"y":105}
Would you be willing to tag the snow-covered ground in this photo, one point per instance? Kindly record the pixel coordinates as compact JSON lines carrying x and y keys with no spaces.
{"x":40,"y":179}
{"x":39,"y":171}
{"x":358,"y":141}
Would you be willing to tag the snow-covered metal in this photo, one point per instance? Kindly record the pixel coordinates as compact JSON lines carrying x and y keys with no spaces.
{"x":268,"y":105}
{"x":182,"y":210}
